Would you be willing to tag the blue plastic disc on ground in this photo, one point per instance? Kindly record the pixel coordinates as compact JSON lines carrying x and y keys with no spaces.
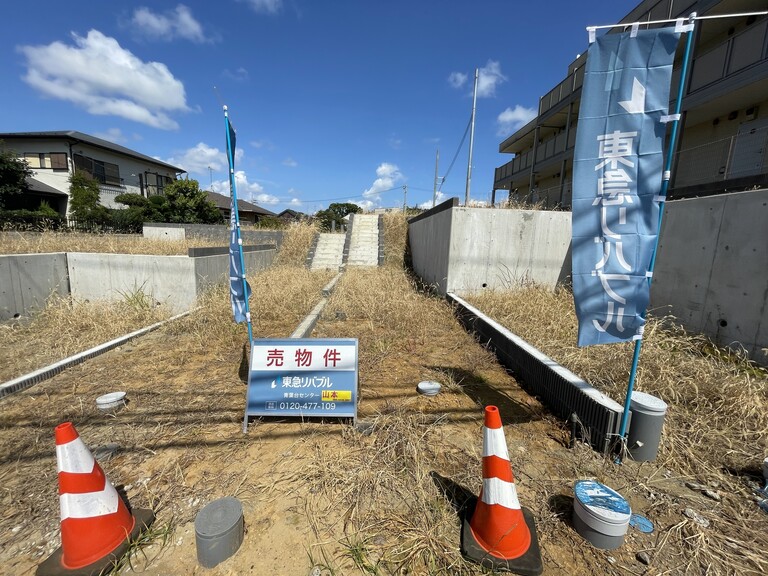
{"x":641,"y":523}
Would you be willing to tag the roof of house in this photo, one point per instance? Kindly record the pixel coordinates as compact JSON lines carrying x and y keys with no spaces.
{"x":291,"y":213}
{"x":224,"y":202}
{"x":73,"y":137}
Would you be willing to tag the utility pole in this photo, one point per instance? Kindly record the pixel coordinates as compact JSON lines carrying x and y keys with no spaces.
{"x":210,"y":173}
{"x":471,"y":139}
{"x":434,"y":190}
{"x":405,"y":196}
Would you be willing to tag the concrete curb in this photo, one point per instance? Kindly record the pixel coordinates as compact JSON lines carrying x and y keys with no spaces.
{"x":23,"y":382}
{"x":304,"y":329}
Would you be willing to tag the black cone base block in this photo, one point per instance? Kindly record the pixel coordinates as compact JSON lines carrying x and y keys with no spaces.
{"x":53,"y":567}
{"x":529,"y":564}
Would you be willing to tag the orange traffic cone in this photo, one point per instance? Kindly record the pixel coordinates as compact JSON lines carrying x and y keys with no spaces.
{"x":96,"y":525}
{"x":500,"y":535}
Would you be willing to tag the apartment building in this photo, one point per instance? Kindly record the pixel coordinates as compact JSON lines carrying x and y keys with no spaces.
{"x":723,"y":137}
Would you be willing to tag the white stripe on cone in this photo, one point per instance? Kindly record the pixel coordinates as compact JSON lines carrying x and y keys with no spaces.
{"x":496,"y":491}
{"x":74,"y":457}
{"x":494,"y":443}
{"x":90,"y":504}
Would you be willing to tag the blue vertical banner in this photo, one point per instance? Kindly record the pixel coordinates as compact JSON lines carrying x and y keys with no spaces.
{"x":617,"y":180}
{"x":239,"y":289}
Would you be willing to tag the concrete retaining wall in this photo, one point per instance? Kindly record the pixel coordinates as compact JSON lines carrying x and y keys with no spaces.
{"x":465,"y":250}
{"x":27,"y":280}
{"x":711,"y":270}
{"x":172,"y":280}
{"x":216,"y":232}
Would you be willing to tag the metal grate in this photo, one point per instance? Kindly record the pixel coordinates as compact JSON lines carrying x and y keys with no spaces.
{"x":559,"y":389}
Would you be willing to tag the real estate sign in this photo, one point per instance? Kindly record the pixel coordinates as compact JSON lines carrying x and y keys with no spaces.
{"x":302,"y":377}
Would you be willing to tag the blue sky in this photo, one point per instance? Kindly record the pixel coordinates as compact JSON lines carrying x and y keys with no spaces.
{"x":335,"y":101}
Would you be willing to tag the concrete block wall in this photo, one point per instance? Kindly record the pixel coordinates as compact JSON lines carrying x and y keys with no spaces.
{"x":28,"y":280}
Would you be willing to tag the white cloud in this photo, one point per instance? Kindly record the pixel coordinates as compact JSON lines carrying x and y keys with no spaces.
{"x":265,"y":6}
{"x":365,"y":204}
{"x":387,"y":176}
{"x":199,"y":158}
{"x":513,"y":118}
{"x":238,"y":75}
{"x":112,"y":135}
{"x":457,"y":79}
{"x":488,"y":78}
{"x":250,"y":191}
{"x":440,"y":197}
{"x":290,"y":162}
{"x":100,"y":76}
{"x":177,"y":23}
{"x":395,"y":142}
{"x":296,"y":202}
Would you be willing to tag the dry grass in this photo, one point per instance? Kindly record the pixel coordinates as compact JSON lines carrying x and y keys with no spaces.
{"x":44,"y":242}
{"x":65,"y":327}
{"x":296,"y":243}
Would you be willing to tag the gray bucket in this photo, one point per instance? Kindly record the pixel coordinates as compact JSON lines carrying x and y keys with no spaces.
{"x":600,"y":514}
{"x":648,"y":414}
{"x":218,"y":531}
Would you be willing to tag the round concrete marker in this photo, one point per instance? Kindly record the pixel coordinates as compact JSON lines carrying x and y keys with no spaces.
{"x":218,"y":531}
{"x":428,"y":387}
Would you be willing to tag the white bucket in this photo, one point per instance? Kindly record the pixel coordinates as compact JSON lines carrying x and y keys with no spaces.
{"x":600,"y":514}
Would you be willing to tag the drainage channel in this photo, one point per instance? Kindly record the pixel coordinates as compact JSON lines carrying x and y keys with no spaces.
{"x":304,"y":329}
{"x":23,"y":382}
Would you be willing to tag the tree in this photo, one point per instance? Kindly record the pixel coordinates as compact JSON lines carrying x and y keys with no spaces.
{"x":188,"y":203}
{"x":84,"y":197}
{"x":335,"y":213}
{"x":13,"y":175}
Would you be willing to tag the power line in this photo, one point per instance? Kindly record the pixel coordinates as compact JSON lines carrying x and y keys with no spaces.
{"x":442,"y":181}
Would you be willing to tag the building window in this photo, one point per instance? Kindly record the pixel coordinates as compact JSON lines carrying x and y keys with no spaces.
{"x":102,"y":172}
{"x":53,"y":160}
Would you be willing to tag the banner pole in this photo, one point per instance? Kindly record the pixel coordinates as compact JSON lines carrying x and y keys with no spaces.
{"x":233,"y":191}
{"x":663,"y":196}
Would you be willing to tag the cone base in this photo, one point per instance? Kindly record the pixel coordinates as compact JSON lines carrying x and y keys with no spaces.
{"x":52,"y":566}
{"x":529,"y":564}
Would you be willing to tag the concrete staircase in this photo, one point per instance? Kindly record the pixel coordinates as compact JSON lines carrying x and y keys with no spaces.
{"x":364,"y":241}
{"x":329,"y":252}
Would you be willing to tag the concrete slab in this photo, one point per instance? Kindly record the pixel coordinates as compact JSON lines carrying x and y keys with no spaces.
{"x":28,"y":280}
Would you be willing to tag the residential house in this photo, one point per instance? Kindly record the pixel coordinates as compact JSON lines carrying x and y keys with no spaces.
{"x":723,"y":135}
{"x":55,"y":156}
{"x":248,"y":213}
{"x":289,"y":215}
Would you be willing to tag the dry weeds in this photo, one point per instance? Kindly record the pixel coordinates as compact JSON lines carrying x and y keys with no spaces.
{"x":42,"y":242}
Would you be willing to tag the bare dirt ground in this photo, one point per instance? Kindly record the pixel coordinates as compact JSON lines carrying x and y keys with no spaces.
{"x":369,"y":499}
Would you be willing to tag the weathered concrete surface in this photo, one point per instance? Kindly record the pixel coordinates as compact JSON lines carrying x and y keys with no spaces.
{"x":164,"y":233}
{"x":464,"y":250}
{"x":429,"y":240}
{"x":508,"y":248}
{"x":28,"y":280}
{"x":167,"y":279}
{"x":712,"y":268}
{"x":215,"y":269}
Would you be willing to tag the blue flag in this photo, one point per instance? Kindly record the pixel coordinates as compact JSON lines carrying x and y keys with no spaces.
{"x":617,"y":176}
{"x":239,"y":290}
